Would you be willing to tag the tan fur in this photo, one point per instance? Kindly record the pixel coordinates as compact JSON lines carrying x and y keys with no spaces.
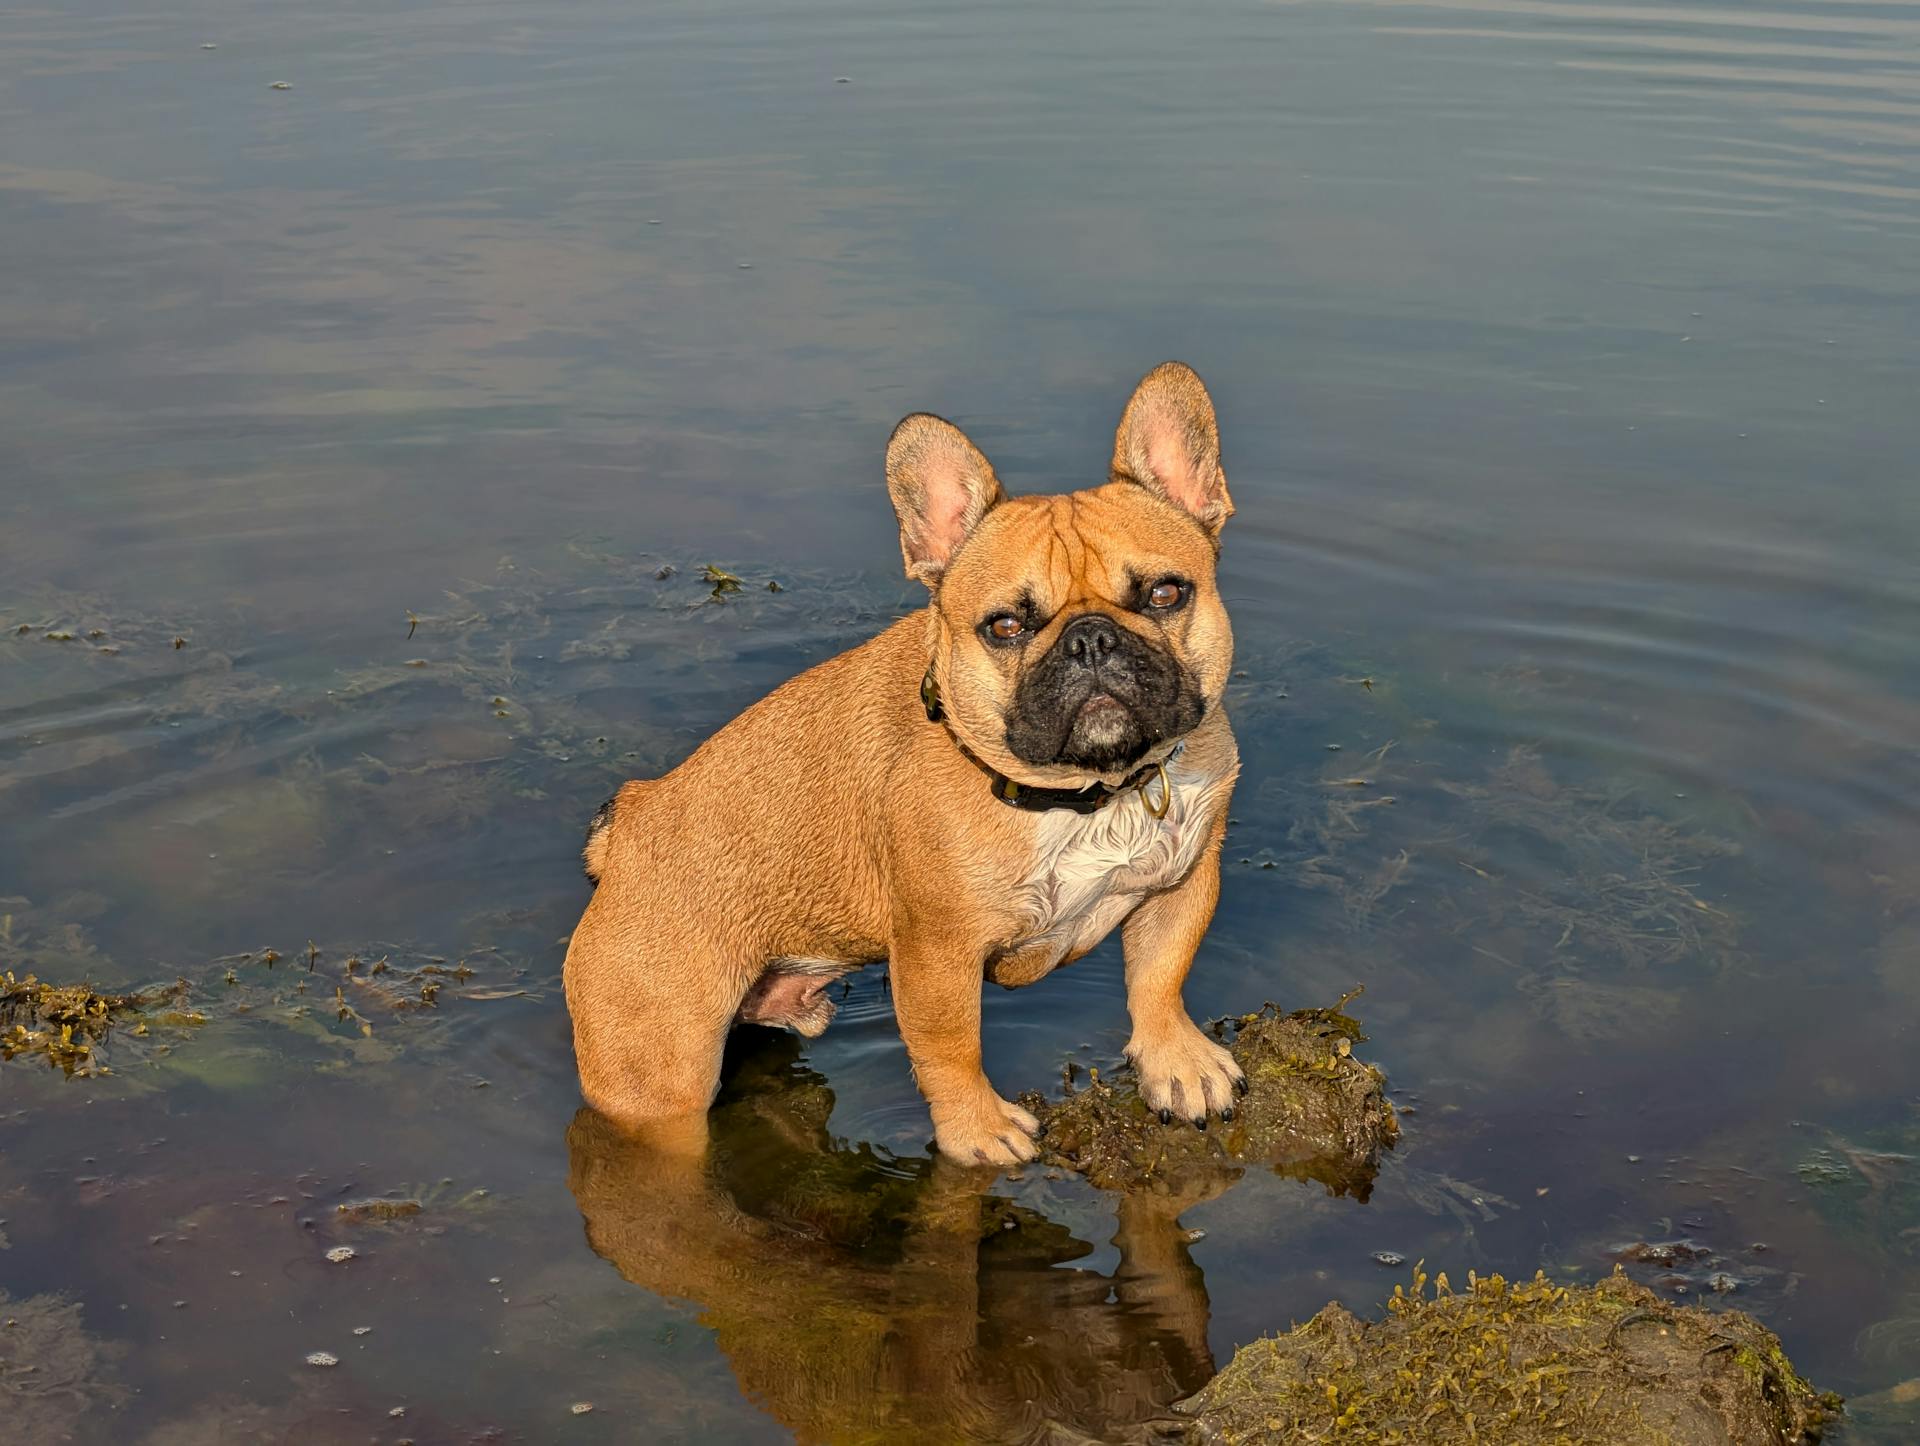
{"x":831,"y":825}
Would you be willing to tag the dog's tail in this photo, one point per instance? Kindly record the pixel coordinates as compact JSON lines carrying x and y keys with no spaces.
{"x":593,"y":855}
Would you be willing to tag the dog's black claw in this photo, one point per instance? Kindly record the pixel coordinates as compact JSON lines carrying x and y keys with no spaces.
{"x":1201,"y":1123}
{"x":1227,"y":1114}
{"x":1240,"y":1085}
{"x":1166,"y":1117}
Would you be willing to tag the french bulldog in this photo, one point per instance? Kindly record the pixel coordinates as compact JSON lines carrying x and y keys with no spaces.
{"x":980,"y":793}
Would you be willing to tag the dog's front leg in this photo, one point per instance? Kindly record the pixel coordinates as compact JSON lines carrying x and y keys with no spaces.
{"x":936,"y":998}
{"x":1182,"y":1072}
{"x":1157,"y":1282}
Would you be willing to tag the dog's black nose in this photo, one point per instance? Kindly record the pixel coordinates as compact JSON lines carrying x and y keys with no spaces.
{"x":1090,"y":638}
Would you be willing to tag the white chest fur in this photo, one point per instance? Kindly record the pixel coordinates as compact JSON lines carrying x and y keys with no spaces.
{"x":1091,"y":870}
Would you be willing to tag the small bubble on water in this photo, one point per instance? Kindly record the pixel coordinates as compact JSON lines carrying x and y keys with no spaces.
{"x":322,"y":1358}
{"x":1389,"y":1258}
{"x":341,"y":1254}
{"x":580,"y":1408}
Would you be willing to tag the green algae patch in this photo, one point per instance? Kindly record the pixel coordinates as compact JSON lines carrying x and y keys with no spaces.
{"x":1519,"y":1364}
{"x":65,"y":1024}
{"x":1311,"y":1110}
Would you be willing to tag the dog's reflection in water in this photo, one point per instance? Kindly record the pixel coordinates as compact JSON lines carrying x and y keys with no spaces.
{"x":859,"y":1297}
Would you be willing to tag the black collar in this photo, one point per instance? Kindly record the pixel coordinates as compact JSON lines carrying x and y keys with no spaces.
{"x":1091,"y":799}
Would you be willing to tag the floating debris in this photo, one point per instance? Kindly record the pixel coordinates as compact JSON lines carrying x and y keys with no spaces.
{"x":341,"y":1254}
{"x":378,"y":1209}
{"x":66,"y":1023}
{"x":322,"y":1358}
{"x":580,"y":1408}
{"x":722,"y":581}
{"x":1391,"y":1258}
{"x":284,"y":85}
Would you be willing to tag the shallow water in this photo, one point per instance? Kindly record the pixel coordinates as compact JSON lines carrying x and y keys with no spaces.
{"x":1563,"y":354}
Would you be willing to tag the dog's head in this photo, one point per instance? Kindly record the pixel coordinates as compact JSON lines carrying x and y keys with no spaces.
{"x":1074,"y":636}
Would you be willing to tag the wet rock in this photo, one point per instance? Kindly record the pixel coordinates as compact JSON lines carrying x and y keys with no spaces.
{"x":1518,"y":1364}
{"x":1311,"y":1109}
{"x":1669,"y":1253}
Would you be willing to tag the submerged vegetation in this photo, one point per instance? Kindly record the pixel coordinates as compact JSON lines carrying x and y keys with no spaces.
{"x":1616,"y":882}
{"x":348,"y":1004}
{"x":1311,"y":1110}
{"x":1515,"y":1363}
{"x":52,"y":1371}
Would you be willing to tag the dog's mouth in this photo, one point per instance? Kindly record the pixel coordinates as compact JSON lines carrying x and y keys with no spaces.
{"x":1102,"y":717}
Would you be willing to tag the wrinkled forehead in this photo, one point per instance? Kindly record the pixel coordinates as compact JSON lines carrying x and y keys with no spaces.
{"x":1101,"y":543}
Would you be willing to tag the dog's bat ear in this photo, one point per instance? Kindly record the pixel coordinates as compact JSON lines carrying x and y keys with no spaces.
{"x":1169,"y":443}
{"x":941,"y":487}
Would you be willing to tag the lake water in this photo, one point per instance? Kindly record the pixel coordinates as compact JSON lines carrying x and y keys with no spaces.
{"x":1564,"y":358}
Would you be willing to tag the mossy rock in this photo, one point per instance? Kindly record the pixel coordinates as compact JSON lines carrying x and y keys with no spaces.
{"x":1518,"y":1364}
{"x":1311,"y":1109}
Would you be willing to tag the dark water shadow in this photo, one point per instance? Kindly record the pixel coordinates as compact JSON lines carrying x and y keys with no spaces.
{"x":858,"y":1296}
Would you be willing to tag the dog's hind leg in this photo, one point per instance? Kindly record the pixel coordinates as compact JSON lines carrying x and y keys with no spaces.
{"x":650,"y":1018}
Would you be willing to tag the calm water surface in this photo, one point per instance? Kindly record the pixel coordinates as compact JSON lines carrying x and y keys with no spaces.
{"x":1564,"y":359}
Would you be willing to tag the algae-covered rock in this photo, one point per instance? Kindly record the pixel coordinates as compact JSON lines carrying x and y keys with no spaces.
{"x":1311,"y":1109}
{"x":1518,"y":1364}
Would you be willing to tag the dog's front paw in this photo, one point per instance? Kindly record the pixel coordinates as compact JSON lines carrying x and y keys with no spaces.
{"x":985,"y":1130}
{"x":1184,"y":1073}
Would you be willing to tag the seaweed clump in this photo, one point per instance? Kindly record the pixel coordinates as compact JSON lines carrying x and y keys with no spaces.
{"x":66,"y":1023}
{"x":1311,"y":1110}
{"x":1518,"y":1364}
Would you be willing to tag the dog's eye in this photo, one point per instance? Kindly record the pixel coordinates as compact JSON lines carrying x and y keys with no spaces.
{"x":1006,"y":627}
{"x":1166,"y":593}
